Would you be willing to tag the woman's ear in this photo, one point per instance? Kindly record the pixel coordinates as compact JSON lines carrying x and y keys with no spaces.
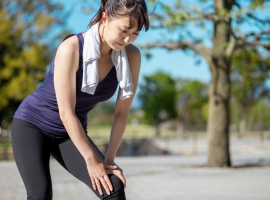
{"x":104,"y":18}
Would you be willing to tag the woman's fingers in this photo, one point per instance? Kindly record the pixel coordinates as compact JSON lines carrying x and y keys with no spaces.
{"x":98,"y":186}
{"x":119,"y":174}
{"x":100,"y":178}
{"x":105,"y":181}
{"x":108,"y":181}
{"x":93,"y":183}
{"x":107,"y":166}
{"x":122,"y":178}
{"x":102,"y":181}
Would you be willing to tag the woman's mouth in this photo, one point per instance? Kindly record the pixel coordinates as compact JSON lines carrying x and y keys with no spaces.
{"x":121,"y":45}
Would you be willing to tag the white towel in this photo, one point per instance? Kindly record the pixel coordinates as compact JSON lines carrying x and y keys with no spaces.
{"x":91,"y":54}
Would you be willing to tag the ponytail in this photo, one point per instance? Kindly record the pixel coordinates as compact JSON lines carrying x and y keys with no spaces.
{"x":98,"y":15}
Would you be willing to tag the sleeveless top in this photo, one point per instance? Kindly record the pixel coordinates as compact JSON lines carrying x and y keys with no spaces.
{"x":40,"y":107}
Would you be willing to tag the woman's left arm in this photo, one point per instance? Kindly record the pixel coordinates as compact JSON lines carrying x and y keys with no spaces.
{"x":122,"y":106}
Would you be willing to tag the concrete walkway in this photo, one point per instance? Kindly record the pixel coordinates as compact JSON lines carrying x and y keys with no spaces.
{"x":163,"y":178}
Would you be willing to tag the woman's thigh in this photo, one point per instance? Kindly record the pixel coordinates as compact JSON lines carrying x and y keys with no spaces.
{"x":31,"y":150}
{"x":69,"y":157}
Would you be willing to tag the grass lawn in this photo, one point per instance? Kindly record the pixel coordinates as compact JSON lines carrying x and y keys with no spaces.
{"x":5,"y":144}
{"x":138,"y":131}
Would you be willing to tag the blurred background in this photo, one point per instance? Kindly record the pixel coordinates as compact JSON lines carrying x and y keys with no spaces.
{"x":202,"y":100}
{"x":204,"y":85}
{"x":196,"y":52}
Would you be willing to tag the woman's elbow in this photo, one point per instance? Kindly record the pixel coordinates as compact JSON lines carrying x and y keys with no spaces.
{"x":65,"y":115}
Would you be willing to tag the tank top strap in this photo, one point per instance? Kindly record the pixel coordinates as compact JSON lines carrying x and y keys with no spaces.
{"x":81,"y":42}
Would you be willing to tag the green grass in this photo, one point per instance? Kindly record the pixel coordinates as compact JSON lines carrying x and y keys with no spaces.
{"x":131,"y":131}
{"x":5,"y":144}
{"x":139,"y":131}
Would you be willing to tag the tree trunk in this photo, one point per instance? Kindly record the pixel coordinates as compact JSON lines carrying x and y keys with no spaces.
{"x":219,"y":93}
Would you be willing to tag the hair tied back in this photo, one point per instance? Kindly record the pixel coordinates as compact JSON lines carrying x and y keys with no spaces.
{"x":138,"y":2}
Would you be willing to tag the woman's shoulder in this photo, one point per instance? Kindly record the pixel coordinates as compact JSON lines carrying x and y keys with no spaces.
{"x":69,"y":46}
{"x":133,"y":52}
{"x":68,"y":53}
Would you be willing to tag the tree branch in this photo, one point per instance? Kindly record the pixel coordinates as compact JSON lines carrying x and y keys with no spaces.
{"x":255,"y":43}
{"x":210,"y":17}
{"x":197,"y":47}
{"x":230,"y":48}
{"x":158,"y":16}
{"x":256,"y":35}
{"x":258,"y":19}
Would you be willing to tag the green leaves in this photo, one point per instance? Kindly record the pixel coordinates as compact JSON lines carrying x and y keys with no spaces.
{"x":250,"y":71}
{"x":158,"y":97}
{"x":255,"y":4}
{"x":192,"y":98}
{"x":26,"y":44}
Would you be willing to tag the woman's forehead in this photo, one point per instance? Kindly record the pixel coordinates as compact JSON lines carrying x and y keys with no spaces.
{"x":126,"y":22}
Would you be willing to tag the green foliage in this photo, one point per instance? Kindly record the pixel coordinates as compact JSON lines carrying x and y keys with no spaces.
{"x":158,"y":97}
{"x":254,"y":4}
{"x":250,"y":71}
{"x":192,"y":100}
{"x":102,"y":114}
{"x":180,"y":15}
{"x":260,"y":114}
{"x":225,"y":23}
{"x":25,"y":25}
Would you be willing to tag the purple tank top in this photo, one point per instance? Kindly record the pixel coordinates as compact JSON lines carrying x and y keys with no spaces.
{"x":40,"y":107}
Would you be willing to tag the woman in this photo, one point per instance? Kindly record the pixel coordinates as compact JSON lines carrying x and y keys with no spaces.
{"x":53,"y":119}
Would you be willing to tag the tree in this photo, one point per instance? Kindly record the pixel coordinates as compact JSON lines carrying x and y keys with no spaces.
{"x":260,"y":114}
{"x":26,"y":46}
{"x":220,"y":19}
{"x":250,"y":71}
{"x":102,"y":114}
{"x":158,"y":97}
{"x":191,"y":98}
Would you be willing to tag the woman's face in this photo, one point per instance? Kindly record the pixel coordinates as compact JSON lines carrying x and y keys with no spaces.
{"x":118,"y":33}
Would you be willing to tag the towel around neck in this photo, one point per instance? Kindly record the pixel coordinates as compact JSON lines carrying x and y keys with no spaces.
{"x":91,"y":54}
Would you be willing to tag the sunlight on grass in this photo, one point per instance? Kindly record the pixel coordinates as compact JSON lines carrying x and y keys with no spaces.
{"x":139,"y":131}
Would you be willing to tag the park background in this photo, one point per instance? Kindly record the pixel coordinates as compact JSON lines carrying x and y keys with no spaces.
{"x":174,"y":119}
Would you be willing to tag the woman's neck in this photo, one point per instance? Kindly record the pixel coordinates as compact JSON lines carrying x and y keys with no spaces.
{"x":105,"y":49}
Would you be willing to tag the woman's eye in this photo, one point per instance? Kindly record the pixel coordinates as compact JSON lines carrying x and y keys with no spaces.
{"x":123,"y":31}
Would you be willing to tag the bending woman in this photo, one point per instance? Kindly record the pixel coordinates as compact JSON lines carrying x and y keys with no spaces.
{"x":52,"y":120}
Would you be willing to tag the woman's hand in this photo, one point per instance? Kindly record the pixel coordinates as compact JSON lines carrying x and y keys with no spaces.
{"x":114,"y":169}
{"x":97,"y":171}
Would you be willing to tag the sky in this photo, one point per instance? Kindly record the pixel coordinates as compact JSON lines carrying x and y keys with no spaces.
{"x":176,"y":63}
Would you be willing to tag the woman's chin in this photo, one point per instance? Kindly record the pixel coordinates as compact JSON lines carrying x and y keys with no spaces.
{"x":117,"y":47}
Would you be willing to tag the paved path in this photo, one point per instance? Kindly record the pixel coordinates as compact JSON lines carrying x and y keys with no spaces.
{"x":163,"y":178}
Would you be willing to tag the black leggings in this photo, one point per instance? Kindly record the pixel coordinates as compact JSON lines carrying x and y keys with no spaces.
{"x":32,"y":148}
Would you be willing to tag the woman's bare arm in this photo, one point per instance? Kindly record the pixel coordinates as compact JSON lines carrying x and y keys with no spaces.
{"x":66,"y":62}
{"x":122,"y":106}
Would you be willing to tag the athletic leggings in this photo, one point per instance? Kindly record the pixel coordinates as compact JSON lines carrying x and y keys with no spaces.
{"x":32,"y":148}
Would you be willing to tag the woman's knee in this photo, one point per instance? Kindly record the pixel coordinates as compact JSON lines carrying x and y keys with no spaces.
{"x":118,"y":192}
{"x":117,"y":183}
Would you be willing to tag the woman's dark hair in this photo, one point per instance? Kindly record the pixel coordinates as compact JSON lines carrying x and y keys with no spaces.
{"x":135,"y":9}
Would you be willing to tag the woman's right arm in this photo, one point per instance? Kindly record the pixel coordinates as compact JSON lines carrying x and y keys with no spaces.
{"x":66,"y":62}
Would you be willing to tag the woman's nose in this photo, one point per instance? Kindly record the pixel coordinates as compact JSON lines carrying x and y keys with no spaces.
{"x":126,"y":39}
